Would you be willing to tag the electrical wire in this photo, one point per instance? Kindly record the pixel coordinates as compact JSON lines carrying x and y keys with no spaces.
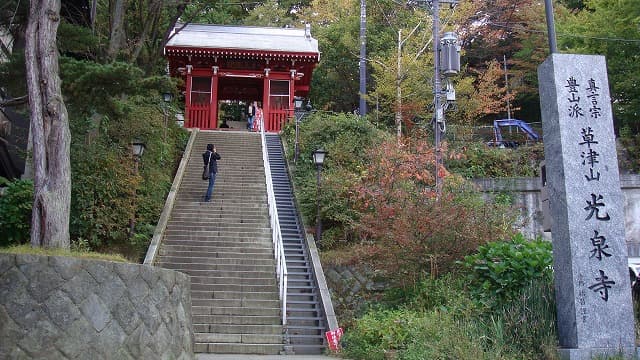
{"x":521,"y":28}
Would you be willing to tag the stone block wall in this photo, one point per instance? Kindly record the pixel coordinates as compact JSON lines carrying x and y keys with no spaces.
{"x":54,"y":307}
{"x":526,"y":196}
{"x":350,"y":287}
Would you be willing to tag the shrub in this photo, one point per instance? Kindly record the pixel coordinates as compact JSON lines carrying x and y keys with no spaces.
{"x":404,"y":229}
{"x":110,"y":188}
{"x":445,"y":293}
{"x":380,"y":331}
{"x":530,"y":320}
{"x":411,"y":335}
{"x":500,"y":270}
{"x":442,"y":337}
{"x":479,"y":161}
{"x":628,"y":155}
{"x":345,"y":137}
{"x":15,"y":212}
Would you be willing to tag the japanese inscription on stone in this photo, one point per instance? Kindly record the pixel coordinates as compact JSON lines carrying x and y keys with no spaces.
{"x":590,"y":255}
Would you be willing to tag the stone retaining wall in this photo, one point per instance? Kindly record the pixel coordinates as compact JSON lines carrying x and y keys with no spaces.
{"x":54,"y":307}
{"x":526,"y":196}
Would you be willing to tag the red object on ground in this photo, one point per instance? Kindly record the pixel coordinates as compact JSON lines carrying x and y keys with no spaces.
{"x":333,"y":338}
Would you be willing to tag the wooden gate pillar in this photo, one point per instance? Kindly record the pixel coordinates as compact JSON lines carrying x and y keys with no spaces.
{"x":213,"y":112}
{"x":266,"y":106}
{"x":187,"y":96}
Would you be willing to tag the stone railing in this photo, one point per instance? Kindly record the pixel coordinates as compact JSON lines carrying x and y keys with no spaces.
{"x":54,"y":307}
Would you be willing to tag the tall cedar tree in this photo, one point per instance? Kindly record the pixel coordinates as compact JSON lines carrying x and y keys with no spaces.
{"x":49,"y":128}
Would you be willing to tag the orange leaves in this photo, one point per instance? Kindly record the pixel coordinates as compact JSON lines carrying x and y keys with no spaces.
{"x":404,"y":230}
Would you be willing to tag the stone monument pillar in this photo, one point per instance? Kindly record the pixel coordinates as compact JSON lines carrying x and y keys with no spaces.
{"x":593,"y":292}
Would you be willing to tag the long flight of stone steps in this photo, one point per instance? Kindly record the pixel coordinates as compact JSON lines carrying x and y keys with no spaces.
{"x":225,"y":246}
{"x":305,"y":323}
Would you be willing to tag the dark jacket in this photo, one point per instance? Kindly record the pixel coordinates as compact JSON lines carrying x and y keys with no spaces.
{"x":213,"y":165}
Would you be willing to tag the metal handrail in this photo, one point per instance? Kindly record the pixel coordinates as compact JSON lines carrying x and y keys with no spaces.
{"x":278,"y":247}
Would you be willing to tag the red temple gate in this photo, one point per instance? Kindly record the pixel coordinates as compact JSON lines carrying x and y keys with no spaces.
{"x":244,"y":64}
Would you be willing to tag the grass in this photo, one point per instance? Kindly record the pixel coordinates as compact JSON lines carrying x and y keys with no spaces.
{"x":27,"y":249}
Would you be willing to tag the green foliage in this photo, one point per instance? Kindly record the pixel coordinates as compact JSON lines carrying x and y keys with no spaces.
{"x":338,"y":69}
{"x":76,"y":253}
{"x":375,"y":194}
{"x":529,"y":320}
{"x":77,"y":41}
{"x":500,"y":270}
{"x":15,"y":211}
{"x":344,"y":136}
{"x":445,"y":293}
{"x":444,"y":323}
{"x":103,"y":195}
{"x":629,"y":159}
{"x":110,"y":106}
{"x":269,"y":13}
{"x":479,"y":160}
{"x":411,"y":335}
{"x":107,"y":190}
{"x":609,"y":28}
{"x":12,"y":75}
{"x":90,"y":86}
{"x":380,"y":331}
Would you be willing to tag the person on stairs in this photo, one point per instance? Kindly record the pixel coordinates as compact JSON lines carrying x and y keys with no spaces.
{"x":251,"y":113}
{"x":258,"y":119}
{"x":211,"y":157}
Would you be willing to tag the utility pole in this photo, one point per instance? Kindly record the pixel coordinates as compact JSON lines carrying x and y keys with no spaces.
{"x":398,"y":89}
{"x":551,"y":27}
{"x":450,"y":57}
{"x":437,"y":88}
{"x":363,"y":57}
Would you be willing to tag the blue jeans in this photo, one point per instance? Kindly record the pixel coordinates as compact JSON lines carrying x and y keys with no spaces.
{"x":250,"y":123}
{"x":212,"y":181}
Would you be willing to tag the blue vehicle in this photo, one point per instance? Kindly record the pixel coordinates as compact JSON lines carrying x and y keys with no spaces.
{"x":521,"y":125}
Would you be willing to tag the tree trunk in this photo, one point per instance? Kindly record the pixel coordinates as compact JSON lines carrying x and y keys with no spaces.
{"x":118,"y":35}
{"x":155,"y":10}
{"x":49,"y":127}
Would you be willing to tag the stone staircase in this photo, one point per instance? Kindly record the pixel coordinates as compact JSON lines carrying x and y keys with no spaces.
{"x":305,"y":322}
{"x":225,"y":247}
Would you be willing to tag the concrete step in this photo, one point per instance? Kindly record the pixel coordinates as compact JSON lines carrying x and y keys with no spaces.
{"x":216,"y":226}
{"x":226,"y":197}
{"x":237,"y":338}
{"x":245,"y":295}
{"x":305,"y":330}
{"x":222,"y":243}
{"x":305,"y":349}
{"x":237,"y":329}
{"x":230,"y":303}
{"x":263,"y":253}
{"x":210,"y":267}
{"x":237,"y":319}
{"x":234,"y":348}
{"x":268,"y":280}
{"x":225,"y":273}
{"x":240,"y":288}
{"x":236,"y":311}
{"x":231,"y":232}
{"x":195,"y":201}
{"x":247,"y":260}
{"x":316,"y":339}
{"x":306,"y":320}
